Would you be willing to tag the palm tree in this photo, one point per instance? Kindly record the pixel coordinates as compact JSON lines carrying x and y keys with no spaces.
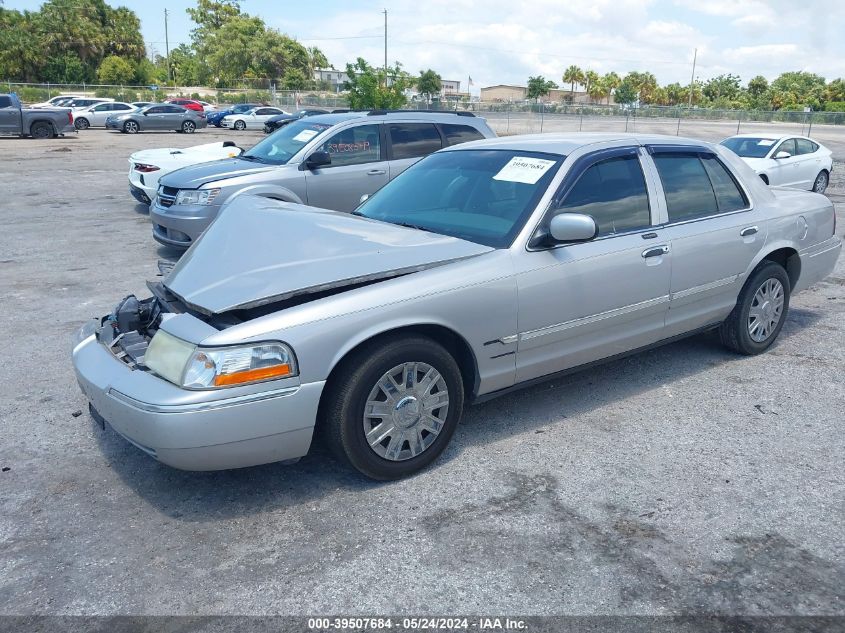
{"x":591,"y":77}
{"x":573,"y":75}
{"x":598,"y":89}
{"x":611,"y":82}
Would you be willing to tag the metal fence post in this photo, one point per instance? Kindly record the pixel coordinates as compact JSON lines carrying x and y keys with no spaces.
{"x":626,"y":120}
{"x":738,"y":120}
{"x":541,"y":117}
{"x":810,"y":129}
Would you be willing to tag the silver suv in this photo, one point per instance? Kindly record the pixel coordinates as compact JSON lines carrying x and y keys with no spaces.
{"x":329,"y":161}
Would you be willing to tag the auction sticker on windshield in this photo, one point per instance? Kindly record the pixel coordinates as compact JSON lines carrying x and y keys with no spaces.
{"x":305,"y":135}
{"x":524,"y":169}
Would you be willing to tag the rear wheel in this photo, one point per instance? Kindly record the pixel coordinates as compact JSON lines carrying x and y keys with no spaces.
{"x":760,"y":311}
{"x":81,"y":124}
{"x":131,"y":127}
{"x":42,"y":129}
{"x":188,"y":127}
{"x":240,"y":125}
{"x":821,"y":181}
{"x":393,"y":406}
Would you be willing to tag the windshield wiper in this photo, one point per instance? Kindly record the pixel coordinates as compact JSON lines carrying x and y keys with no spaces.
{"x":250,"y":157}
{"x":412,"y":226}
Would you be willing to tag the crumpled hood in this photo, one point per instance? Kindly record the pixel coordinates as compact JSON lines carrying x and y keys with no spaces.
{"x":259,"y":250}
{"x":174,"y":155}
{"x":194,"y":176}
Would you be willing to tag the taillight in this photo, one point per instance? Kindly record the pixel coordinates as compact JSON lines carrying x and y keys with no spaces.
{"x":69,"y":117}
{"x":144,"y":168}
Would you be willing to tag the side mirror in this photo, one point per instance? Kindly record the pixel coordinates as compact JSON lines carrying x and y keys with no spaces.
{"x":573,"y":227}
{"x":783,"y":154}
{"x":318,"y":159}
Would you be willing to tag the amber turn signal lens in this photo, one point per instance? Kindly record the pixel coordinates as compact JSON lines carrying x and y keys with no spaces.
{"x":252,"y":375}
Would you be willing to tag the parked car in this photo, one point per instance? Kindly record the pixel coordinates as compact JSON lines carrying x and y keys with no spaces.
{"x":34,"y":122}
{"x":160,"y":116}
{"x":190,"y":104}
{"x":787,"y":161}
{"x":96,"y":116}
{"x":207,"y":107}
{"x":215,"y":118}
{"x":148,"y":165}
{"x":55,"y":102}
{"x":250,"y":120}
{"x":327,"y":161}
{"x":481,"y":269}
{"x":84,"y":103}
{"x":274,"y":123}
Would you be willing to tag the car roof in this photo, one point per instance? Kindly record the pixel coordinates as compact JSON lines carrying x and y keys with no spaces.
{"x":565,"y":143}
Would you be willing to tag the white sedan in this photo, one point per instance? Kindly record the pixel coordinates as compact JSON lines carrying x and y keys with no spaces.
{"x":785,"y":161}
{"x":147,"y":166}
{"x":251,"y":119}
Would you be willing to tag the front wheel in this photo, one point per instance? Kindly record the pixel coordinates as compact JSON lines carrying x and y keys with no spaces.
{"x":130,"y":127}
{"x":81,"y":124}
{"x":393,"y":406}
{"x":821,"y":181}
{"x":188,"y":127}
{"x":760,"y":311}
{"x":240,"y":126}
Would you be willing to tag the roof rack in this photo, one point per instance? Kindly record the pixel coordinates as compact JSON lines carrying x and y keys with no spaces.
{"x":406,"y":112}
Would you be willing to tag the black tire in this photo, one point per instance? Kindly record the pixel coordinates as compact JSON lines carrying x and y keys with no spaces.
{"x":734,"y":331}
{"x":81,"y":124}
{"x":821,"y":181}
{"x":342,"y":413}
{"x":131,"y":127}
{"x":188,"y":127}
{"x":41,"y":130}
{"x":239,"y":126}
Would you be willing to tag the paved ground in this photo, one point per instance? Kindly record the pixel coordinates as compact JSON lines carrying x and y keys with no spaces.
{"x":683,"y":480}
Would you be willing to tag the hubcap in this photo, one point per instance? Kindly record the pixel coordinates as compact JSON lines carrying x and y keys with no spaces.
{"x":821,"y":183}
{"x":131,"y":127}
{"x":766,"y":310}
{"x":405,"y":411}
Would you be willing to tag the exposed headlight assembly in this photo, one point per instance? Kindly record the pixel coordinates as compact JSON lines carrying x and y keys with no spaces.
{"x":197,"y":196}
{"x":194,"y":367}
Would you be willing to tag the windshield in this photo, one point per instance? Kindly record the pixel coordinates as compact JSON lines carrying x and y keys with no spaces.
{"x":749,"y":147}
{"x":282,"y":145}
{"x":482,"y":196}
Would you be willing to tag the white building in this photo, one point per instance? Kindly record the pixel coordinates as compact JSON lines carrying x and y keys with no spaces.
{"x":335,"y":78}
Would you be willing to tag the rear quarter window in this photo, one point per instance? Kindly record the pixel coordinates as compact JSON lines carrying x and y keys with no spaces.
{"x":5,"y":101}
{"x":457,"y":134}
{"x":412,"y":140}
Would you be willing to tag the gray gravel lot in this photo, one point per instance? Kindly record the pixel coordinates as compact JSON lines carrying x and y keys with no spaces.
{"x":683,"y":480}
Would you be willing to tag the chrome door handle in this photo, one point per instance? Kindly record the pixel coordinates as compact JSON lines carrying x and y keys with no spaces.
{"x":748,"y":230}
{"x":656,"y":251}
{"x":376,"y":172}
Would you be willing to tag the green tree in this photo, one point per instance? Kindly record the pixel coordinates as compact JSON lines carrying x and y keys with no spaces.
{"x":115,"y":70}
{"x":722,"y":87}
{"x":429,"y":84}
{"x":211,"y":15}
{"x":626,"y":93}
{"x":597,"y":89}
{"x":316,"y":59}
{"x":370,"y":88}
{"x":591,"y":77}
{"x":757,"y":86}
{"x":795,"y":90}
{"x":294,"y":80}
{"x":611,"y":81}
{"x":66,"y":69}
{"x":835,"y":91}
{"x":539,"y":86}
{"x":573,"y":75}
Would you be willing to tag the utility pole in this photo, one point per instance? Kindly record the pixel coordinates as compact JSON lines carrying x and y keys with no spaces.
{"x":692,"y":77}
{"x":385,"y":47}
{"x":167,"y":46}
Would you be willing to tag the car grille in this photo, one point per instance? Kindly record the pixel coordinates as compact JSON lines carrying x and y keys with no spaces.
{"x":167,"y":196}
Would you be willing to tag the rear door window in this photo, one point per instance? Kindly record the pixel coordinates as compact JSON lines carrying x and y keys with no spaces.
{"x":456,"y":134}
{"x":613,"y":192}
{"x":805,"y":146}
{"x":354,"y":145}
{"x":787,"y":146}
{"x":5,"y":101}
{"x":412,"y":140}
{"x":687,"y":187}
{"x":729,"y":196}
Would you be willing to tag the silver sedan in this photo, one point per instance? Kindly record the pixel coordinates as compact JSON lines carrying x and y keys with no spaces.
{"x":158,"y":116}
{"x":483,"y":268}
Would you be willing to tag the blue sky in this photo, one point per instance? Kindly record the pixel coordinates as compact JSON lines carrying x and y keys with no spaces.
{"x":505,"y":41}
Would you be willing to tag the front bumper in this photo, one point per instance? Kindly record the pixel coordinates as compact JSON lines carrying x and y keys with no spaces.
{"x":180,"y":225}
{"x":196,"y":430}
